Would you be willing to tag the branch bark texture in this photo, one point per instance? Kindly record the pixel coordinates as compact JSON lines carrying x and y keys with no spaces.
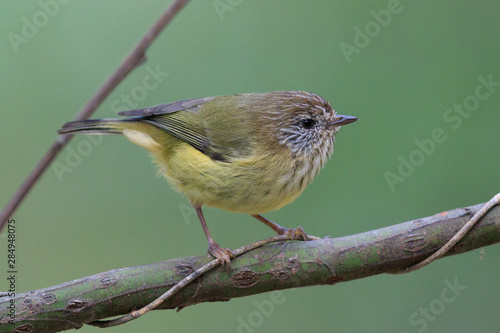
{"x":277,"y":266}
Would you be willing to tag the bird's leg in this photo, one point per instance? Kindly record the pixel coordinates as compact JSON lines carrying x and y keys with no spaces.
{"x":224,"y":255}
{"x":293,"y":233}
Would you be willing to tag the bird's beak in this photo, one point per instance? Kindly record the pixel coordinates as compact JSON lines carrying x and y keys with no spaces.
{"x":340,"y":120}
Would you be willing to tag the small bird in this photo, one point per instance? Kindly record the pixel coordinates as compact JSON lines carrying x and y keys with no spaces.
{"x":247,"y":153}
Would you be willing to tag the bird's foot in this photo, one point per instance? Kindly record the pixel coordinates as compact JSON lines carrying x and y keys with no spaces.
{"x":224,"y":255}
{"x":294,"y":233}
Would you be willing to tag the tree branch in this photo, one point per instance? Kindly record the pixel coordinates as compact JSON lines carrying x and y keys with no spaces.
{"x":277,"y":266}
{"x":134,"y":59}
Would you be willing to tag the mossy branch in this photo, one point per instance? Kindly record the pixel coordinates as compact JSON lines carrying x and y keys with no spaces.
{"x":276,"y":266}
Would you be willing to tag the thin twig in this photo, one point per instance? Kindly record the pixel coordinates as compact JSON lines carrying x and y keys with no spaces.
{"x":135,"y":58}
{"x":184,"y":282}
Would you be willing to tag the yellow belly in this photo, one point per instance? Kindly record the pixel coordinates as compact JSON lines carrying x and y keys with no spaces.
{"x":247,"y":185}
{"x":253,"y":185}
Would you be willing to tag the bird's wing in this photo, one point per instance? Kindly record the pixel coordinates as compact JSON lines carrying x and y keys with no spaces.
{"x":191,"y":105}
{"x":182,"y":126}
{"x":213,"y":134}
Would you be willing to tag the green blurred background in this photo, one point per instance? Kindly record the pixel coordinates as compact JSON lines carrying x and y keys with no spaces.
{"x":110,"y":210}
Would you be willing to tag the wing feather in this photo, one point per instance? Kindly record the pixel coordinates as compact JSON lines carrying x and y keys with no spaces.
{"x":204,"y":129}
{"x":191,"y":105}
{"x":181,"y":130}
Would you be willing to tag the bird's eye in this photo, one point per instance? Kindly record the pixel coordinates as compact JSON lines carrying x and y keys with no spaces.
{"x":307,"y":123}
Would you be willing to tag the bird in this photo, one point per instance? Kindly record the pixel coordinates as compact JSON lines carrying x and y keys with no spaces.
{"x":247,"y":153}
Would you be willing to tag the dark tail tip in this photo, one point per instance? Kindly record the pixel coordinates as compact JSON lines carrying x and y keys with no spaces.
{"x":92,"y":126}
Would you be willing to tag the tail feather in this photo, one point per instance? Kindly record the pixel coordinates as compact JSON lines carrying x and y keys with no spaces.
{"x":94,"y":126}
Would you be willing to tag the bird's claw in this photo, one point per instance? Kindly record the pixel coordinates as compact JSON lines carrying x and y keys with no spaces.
{"x":296,"y":234}
{"x":224,"y":255}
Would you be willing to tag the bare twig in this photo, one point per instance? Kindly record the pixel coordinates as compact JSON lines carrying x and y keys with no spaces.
{"x":135,"y":58}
